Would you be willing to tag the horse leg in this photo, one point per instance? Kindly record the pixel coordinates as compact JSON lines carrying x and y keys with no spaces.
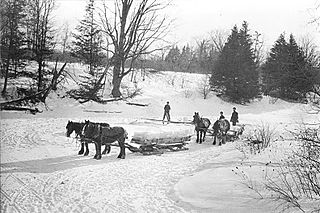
{"x":200,"y":137}
{"x":214,"y":140}
{"x":98,"y":150}
{"x":224,"y":139}
{"x":96,"y":146}
{"x":220,"y":140}
{"x":122,"y":154}
{"x":82,"y":149}
{"x":204,"y":135}
{"x":87,"y":149}
{"x":106,"y":149}
{"x":197,"y":141}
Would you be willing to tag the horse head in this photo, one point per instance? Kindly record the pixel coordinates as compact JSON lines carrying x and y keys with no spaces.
{"x":196,"y":118}
{"x":70,"y":128}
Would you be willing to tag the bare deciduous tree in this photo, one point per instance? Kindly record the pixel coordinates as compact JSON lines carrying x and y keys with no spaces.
{"x":315,"y":14}
{"x":204,"y":86}
{"x":258,"y":44}
{"x":132,"y":27}
{"x":11,"y":37}
{"x":312,"y":54}
{"x":40,"y":33}
{"x":310,"y":49}
{"x":218,"y":38}
{"x":63,"y":45}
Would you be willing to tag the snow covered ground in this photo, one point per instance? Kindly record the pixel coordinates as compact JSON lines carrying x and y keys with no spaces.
{"x":41,"y":171}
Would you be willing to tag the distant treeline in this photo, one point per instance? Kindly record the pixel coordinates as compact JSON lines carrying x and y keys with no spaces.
{"x":237,"y":64}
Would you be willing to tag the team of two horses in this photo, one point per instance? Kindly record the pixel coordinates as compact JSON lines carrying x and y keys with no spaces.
{"x":99,"y":134}
{"x":220,"y":128}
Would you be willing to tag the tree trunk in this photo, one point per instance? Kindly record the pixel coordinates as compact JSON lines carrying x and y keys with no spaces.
{"x":6,"y":78}
{"x":116,"y":80}
{"x":39,"y":75}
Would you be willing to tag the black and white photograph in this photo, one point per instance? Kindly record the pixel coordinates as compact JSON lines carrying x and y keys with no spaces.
{"x":160,"y":106}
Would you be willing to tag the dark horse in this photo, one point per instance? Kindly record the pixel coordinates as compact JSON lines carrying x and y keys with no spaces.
{"x":201,"y":126}
{"x":77,"y":127}
{"x":101,"y":135}
{"x":220,"y":129}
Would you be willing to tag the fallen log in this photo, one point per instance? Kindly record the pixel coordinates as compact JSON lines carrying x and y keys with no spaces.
{"x":34,"y":96}
{"x":110,"y":100}
{"x":17,"y":108}
{"x":137,"y":104}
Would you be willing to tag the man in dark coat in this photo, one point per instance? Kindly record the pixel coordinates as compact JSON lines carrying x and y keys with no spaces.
{"x":221,"y":115}
{"x":234,"y":117}
{"x":166,"y":112}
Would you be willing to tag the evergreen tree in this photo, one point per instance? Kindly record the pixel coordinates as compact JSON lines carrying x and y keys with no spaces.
{"x":273,"y":70}
{"x":87,"y":44}
{"x":235,"y":72}
{"x":248,"y":85}
{"x":287,"y":72}
{"x":185,"y":59}
{"x":172,"y":58}
{"x":87,"y":47}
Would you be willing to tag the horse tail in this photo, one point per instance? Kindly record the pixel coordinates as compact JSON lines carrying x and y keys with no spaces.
{"x":125,"y":134}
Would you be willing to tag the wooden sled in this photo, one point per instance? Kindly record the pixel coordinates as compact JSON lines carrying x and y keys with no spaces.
{"x":158,"y":146}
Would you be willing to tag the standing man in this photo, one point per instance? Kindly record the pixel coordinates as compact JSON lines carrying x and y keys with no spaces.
{"x":166,"y":112}
{"x":221,"y":115}
{"x":234,"y":117}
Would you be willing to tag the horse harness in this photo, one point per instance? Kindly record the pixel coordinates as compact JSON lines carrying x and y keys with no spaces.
{"x":98,"y":134}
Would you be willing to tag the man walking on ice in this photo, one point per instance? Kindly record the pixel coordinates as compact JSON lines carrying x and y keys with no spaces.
{"x":166,"y":112}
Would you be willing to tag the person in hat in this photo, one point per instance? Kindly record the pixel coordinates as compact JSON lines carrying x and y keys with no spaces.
{"x":234,"y":117}
{"x":221,"y":116}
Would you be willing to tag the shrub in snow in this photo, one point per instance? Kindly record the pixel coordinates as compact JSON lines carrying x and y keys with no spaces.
{"x":204,"y":86}
{"x":257,"y":139}
{"x":187,"y":93}
{"x":171,"y":79}
{"x":294,"y":182}
{"x":313,"y":99}
{"x":297,"y":182}
{"x":130,"y":91}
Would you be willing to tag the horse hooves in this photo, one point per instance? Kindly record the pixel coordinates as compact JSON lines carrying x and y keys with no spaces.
{"x":87,"y":153}
{"x":98,"y":157}
{"x":80,"y":153}
{"x":103,"y":153}
{"x":214,"y":144}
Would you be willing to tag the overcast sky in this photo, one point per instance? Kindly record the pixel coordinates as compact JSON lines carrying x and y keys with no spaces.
{"x":196,"y":18}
